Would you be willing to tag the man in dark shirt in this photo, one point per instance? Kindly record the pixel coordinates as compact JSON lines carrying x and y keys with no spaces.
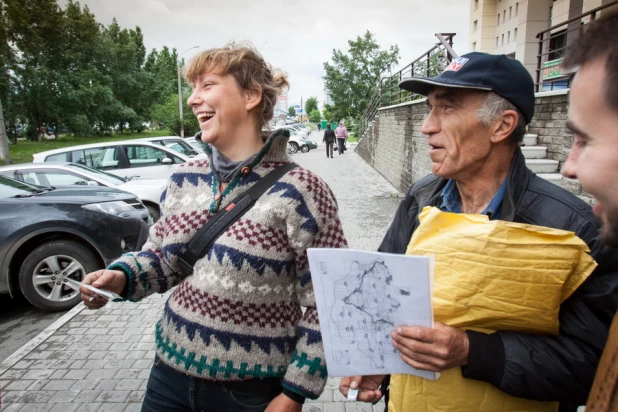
{"x":329,"y":139}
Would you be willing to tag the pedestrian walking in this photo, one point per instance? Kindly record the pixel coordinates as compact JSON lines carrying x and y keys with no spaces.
{"x":478,"y":111}
{"x":329,"y":139}
{"x":342,"y":136}
{"x":319,"y":127}
{"x":240,"y":332}
{"x":593,"y":121}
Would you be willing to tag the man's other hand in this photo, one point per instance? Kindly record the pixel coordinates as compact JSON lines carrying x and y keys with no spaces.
{"x":438,"y":349}
{"x":367,"y":387}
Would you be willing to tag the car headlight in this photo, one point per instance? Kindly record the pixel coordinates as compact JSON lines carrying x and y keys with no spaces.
{"x":112,"y":208}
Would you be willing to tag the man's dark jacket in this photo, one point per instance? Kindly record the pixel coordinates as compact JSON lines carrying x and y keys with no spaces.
{"x":545,"y":368}
{"x":329,"y":136}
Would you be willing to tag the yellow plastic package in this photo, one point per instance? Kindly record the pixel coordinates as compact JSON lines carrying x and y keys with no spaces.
{"x":490,"y":275}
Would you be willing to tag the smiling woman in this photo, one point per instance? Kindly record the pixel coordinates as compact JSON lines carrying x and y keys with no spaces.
{"x":234,"y":95}
{"x":234,"y":328}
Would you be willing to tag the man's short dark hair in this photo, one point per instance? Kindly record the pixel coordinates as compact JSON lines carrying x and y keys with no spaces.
{"x":598,"y":40}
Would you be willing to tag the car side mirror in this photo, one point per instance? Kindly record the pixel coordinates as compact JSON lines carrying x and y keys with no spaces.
{"x":166,"y":161}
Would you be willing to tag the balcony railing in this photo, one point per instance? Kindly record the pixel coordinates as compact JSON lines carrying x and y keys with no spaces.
{"x":553,"y":43}
{"x":387,"y":91}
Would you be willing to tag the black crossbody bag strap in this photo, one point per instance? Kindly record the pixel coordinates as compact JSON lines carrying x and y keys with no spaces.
{"x":210,"y":232}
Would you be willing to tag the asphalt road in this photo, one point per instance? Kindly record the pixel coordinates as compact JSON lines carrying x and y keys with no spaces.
{"x":20,"y":322}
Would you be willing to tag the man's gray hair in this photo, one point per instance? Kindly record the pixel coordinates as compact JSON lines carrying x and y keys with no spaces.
{"x":492,"y":107}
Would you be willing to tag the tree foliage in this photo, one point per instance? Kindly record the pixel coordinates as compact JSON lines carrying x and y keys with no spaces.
{"x":352,"y":76}
{"x":291,"y":111}
{"x":6,"y":57}
{"x":311,"y":104}
{"x":327,"y":113}
{"x":167,"y":117}
{"x":61,"y":69}
{"x":314,"y":116}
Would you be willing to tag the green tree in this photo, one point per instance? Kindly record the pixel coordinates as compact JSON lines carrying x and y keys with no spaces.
{"x":352,"y":76}
{"x":314,"y":116}
{"x":166,"y":115}
{"x":291,"y":111}
{"x":311,"y":104}
{"x":36,"y":29}
{"x":326,"y":113}
{"x":6,"y":57}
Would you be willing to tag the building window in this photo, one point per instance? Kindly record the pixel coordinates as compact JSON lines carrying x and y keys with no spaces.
{"x":515,"y":35}
{"x":496,"y":42}
{"x":557,"y":45}
{"x":508,"y":37}
{"x":516,"y":8}
{"x":504,"y":16}
{"x":498,"y":21}
{"x":475,"y":25}
{"x":502,"y":39}
{"x":476,"y":4}
{"x":474,"y":46}
{"x":510,"y":12}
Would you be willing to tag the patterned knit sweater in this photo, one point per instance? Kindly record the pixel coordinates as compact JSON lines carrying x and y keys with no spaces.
{"x":238,"y":316}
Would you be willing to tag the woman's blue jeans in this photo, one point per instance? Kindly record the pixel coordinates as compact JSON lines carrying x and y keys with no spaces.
{"x":172,"y":391}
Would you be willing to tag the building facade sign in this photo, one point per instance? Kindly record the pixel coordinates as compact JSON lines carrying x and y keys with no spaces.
{"x":551,"y":69}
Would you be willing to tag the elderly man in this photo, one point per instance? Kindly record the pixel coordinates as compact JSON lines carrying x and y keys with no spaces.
{"x":593,"y":120}
{"x":479,"y":108}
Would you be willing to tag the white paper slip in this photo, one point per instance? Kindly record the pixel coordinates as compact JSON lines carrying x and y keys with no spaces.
{"x":102,"y":292}
{"x":352,"y":394}
{"x":361,"y":297}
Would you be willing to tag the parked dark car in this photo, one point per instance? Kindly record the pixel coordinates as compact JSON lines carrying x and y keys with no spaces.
{"x":51,"y":238}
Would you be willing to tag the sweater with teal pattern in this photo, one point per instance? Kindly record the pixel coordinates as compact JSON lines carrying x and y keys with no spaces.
{"x":239,"y":316}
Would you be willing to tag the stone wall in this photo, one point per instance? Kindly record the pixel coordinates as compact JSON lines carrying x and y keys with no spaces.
{"x":548,"y":123}
{"x":396,"y":148}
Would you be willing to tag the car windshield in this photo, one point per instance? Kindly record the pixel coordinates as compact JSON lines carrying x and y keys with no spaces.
{"x":108,"y":177}
{"x":180,"y":146}
{"x":197,"y":147}
{"x":11,"y":188}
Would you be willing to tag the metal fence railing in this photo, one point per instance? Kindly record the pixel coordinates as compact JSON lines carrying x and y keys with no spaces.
{"x":387,"y":91}
{"x":552,"y":45}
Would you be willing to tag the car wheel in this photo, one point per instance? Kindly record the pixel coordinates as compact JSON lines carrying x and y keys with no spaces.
{"x":51,"y":274}
{"x":293,"y":147}
{"x":304,"y":149}
{"x":154,"y":212}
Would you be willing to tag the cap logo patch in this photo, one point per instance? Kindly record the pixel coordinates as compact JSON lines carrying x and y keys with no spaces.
{"x":456,"y":64}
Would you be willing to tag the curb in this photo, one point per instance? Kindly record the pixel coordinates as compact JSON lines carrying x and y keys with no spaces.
{"x":40,"y":338}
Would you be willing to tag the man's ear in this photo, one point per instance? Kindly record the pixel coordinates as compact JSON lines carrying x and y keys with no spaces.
{"x":253,"y":97}
{"x":504,"y":127}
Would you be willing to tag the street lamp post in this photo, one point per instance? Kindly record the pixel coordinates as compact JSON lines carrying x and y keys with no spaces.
{"x":182,"y":124}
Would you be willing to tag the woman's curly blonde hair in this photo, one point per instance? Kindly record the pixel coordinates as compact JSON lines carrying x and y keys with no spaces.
{"x":249,"y":69}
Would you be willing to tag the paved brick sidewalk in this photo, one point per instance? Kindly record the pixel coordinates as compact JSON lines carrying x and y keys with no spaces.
{"x":100,"y":360}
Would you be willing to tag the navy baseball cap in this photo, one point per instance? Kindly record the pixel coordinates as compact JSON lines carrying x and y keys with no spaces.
{"x":481,"y":71}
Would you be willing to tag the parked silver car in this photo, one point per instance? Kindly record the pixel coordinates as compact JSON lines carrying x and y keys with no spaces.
{"x":126,"y":159}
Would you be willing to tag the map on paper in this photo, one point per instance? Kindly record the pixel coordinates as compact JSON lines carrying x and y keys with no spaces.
{"x":361,"y":297}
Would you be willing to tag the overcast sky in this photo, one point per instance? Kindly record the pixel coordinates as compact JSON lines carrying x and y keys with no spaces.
{"x":293,"y":36}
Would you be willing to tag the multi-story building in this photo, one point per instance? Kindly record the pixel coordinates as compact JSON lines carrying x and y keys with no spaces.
{"x":511,"y":26}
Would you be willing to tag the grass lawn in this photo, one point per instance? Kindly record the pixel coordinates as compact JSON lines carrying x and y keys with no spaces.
{"x":352,"y":138}
{"x":22,"y":152}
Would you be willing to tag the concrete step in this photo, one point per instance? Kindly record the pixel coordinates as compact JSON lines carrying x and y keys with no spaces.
{"x":530,"y":139}
{"x":555,"y":178}
{"x":534,"y":152}
{"x":542,"y":165}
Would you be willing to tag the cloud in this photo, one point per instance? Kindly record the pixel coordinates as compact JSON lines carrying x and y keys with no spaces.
{"x":297,"y":37}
